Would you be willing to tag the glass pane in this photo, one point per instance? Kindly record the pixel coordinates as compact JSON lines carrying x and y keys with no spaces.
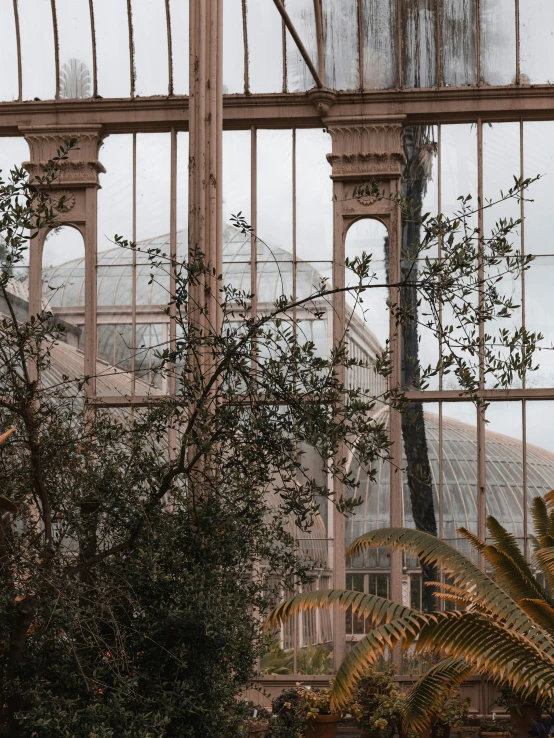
{"x":538,"y":317}
{"x":380,"y":44}
{"x":539,"y":452}
{"x":459,"y":42}
{"x":498,"y":42}
{"x":538,"y":151}
{"x":314,"y":196}
{"x":233,"y":47}
{"x":340,"y":34}
{"x":459,"y":468}
{"x":179,"y":18}
{"x":37,"y":50}
{"x":265,"y":46}
{"x":504,"y":465}
{"x":458,"y":164}
{"x":75,"y":46}
{"x":9,"y":84}
{"x":13,"y":152}
{"x":63,"y":273}
{"x":182,"y":189}
{"x":153,"y":184}
{"x":536,"y":25}
{"x":274,"y":199}
{"x":371,"y":319}
{"x":236,"y":176}
{"x":111,"y":28}
{"x":420,"y":54}
{"x":150,"y":47}
{"x":299,"y":77}
{"x":115,"y":196}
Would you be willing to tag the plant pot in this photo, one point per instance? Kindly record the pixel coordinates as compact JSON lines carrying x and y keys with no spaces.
{"x":441,"y":731}
{"x":322,"y":726}
{"x":522,"y":717}
{"x":257,"y":730}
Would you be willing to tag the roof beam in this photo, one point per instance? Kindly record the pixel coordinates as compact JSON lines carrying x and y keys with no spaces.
{"x":298,"y":41}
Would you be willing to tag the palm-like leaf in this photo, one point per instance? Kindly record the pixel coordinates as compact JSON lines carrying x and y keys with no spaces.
{"x":505,"y":628}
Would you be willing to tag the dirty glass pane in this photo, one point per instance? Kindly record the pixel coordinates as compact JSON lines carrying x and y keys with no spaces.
{"x":538,"y":152}
{"x":379,"y":44}
{"x":265,"y":46}
{"x":111,"y":27}
{"x":37,"y":50}
{"x":498,"y":42}
{"x":179,"y":19}
{"x":9,"y":85}
{"x":75,"y":46}
{"x":153,"y":185}
{"x":275,"y":203}
{"x":536,"y":30}
{"x":420,"y":47}
{"x":314,"y":196}
{"x":340,"y":33}
{"x":459,"y":42}
{"x":299,"y":78}
{"x":150,"y":47}
{"x":236,"y":175}
{"x":233,"y":47}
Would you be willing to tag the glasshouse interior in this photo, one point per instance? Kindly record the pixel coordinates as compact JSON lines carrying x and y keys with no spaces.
{"x":276,"y":368}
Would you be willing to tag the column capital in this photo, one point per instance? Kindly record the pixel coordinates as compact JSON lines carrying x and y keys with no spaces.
{"x":81,"y":168}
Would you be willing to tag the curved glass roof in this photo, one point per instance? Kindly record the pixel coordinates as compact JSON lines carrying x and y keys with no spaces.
{"x":56,"y":49}
{"x":64,"y":284}
{"x":503,"y":473}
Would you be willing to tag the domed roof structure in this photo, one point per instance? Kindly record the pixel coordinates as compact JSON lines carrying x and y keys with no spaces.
{"x":66,"y":282}
{"x":459,"y":440}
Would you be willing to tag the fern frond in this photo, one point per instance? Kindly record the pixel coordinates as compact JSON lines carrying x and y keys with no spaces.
{"x":541,"y":612}
{"x":492,"y":648}
{"x":462,"y":571}
{"x":367,"y":651}
{"x":376,"y":609}
{"x":428,"y":693}
{"x":539,"y":513}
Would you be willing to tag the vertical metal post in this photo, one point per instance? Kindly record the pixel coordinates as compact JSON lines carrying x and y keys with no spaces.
{"x":91,"y":290}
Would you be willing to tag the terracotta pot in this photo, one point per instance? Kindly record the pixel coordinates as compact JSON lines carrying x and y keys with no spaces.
{"x":322,"y":726}
{"x":522,"y":716}
{"x":257,"y":730}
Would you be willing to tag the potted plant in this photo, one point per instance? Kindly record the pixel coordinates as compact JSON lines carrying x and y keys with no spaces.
{"x":494,"y":728}
{"x":453,"y":713}
{"x":306,"y":711}
{"x":524,"y":711}
{"x":256,"y":719}
{"x":378,"y":705}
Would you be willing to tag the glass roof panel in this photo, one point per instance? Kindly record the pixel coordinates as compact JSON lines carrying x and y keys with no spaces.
{"x":233,"y":47}
{"x":498,"y":42}
{"x":265,"y":46}
{"x":537,"y":45}
{"x":151,"y":57}
{"x":459,"y":42}
{"x":419,"y":48}
{"x":9,"y":82}
{"x":299,"y":77}
{"x":179,"y":18}
{"x":37,"y":49}
{"x":111,"y":29}
{"x":380,"y":37}
{"x":75,"y":48}
{"x":340,"y":31}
